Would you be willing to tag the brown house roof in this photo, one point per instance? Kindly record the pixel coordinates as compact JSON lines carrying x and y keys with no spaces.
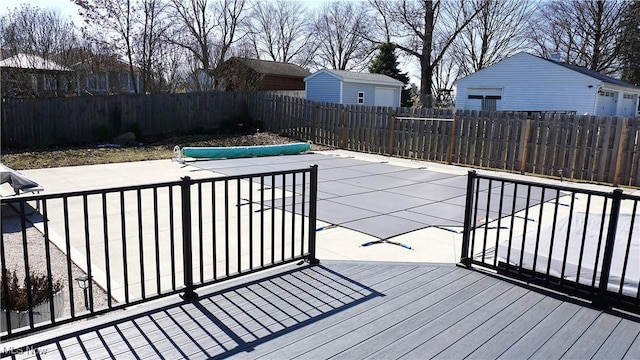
{"x":272,"y":67}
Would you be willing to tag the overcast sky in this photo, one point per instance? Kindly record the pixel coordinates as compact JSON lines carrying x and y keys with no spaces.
{"x":65,"y":7}
{"x":68,"y":8}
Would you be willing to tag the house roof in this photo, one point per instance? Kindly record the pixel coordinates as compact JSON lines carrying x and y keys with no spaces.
{"x":35,"y":62}
{"x":350,"y":76}
{"x":592,"y":73}
{"x":272,"y":67}
{"x":101,"y":62}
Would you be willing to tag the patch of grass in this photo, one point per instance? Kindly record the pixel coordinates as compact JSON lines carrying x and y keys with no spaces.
{"x":154,"y":150}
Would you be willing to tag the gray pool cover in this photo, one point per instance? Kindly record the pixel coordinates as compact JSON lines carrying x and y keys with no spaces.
{"x":377,"y":199}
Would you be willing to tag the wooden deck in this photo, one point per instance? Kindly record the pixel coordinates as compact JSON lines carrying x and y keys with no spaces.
{"x":351,"y":311}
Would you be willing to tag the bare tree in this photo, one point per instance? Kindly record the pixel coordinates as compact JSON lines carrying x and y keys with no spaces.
{"x":37,"y":31}
{"x":38,"y":42}
{"x":230,"y":20}
{"x":584,"y":33}
{"x":150,"y":41}
{"x":339,"y":27}
{"x":115,"y":19}
{"x":207,"y":30}
{"x":424,"y":30}
{"x":496,"y":32}
{"x":278,"y":30}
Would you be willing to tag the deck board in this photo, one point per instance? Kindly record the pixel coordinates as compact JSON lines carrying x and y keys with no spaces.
{"x":634,"y":350}
{"x":464,"y":332}
{"x":593,"y":337}
{"x":564,"y":338}
{"x":364,"y":325}
{"x":348,"y":310}
{"x":454,"y":306}
{"x":492,"y":347}
{"x":617,"y":344}
{"x":533,"y":339}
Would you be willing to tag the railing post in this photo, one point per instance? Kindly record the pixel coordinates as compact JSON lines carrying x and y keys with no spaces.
{"x":465,"y":259}
{"x":601,"y":298}
{"x":187,"y":260}
{"x":313,"y":202}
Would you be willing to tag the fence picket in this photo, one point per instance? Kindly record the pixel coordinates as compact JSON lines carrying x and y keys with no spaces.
{"x":582,"y":147}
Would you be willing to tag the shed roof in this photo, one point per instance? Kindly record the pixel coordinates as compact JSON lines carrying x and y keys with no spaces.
{"x":35,"y":62}
{"x":350,"y":76}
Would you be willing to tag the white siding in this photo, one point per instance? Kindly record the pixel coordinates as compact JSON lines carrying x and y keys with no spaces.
{"x":530,"y":83}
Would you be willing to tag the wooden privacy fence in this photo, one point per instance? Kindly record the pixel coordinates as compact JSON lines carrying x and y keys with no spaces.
{"x":52,"y":121}
{"x":589,"y":148}
{"x":578,"y":147}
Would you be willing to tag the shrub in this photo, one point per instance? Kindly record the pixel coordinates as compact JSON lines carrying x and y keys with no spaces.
{"x":18,"y":294}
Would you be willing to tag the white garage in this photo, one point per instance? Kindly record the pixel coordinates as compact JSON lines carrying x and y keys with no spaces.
{"x":629,"y":105}
{"x":529,"y":83}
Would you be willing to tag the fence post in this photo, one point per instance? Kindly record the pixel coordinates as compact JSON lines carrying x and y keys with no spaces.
{"x":601,"y":298}
{"x":621,"y":136}
{"x":279,"y":115}
{"x":343,"y":135}
{"x":465,"y":258}
{"x":313,"y":202}
{"x":314,"y":118}
{"x":524,"y":144}
{"x":392,"y":129}
{"x":187,"y":260}
{"x":452,"y":140}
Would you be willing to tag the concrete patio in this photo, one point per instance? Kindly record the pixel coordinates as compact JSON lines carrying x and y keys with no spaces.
{"x":381,"y":285}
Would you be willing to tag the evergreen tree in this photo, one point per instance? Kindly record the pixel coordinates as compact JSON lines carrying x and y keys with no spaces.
{"x":631,"y":44}
{"x":386,"y":63}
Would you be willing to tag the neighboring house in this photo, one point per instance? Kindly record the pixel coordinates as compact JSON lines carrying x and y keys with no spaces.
{"x":199,"y":80}
{"x":525,"y":82}
{"x":25,"y":75}
{"x":243,"y":74}
{"x":352,"y":88}
{"x":105,"y":75}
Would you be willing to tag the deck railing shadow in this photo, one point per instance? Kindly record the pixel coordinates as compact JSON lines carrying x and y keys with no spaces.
{"x":571,"y":239}
{"x":139,"y":243}
{"x":219,"y":323}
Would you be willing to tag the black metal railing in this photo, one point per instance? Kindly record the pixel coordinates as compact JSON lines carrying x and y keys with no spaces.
{"x":112,"y":248}
{"x":571,"y":239}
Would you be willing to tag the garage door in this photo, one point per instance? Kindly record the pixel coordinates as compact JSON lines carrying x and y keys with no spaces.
{"x":384,"y":97}
{"x":628,"y":106}
{"x":606,"y":103}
